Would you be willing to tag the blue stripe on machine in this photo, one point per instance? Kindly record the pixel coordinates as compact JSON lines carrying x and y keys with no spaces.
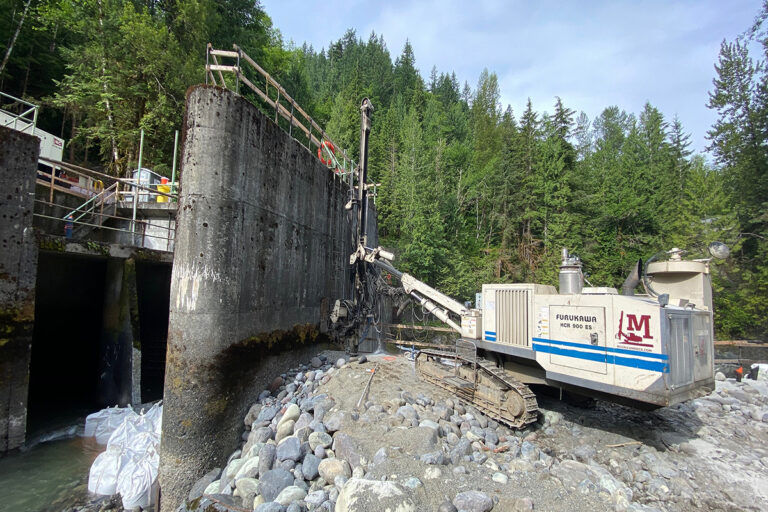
{"x":490,"y":333}
{"x":490,"y":338}
{"x":631,"y":362}
{"x":663,"y":357}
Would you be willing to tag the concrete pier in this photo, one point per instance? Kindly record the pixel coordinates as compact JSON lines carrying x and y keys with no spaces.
{"x":261,"y":244}
{"x":119,"y":334}
{"x":18,"y":269}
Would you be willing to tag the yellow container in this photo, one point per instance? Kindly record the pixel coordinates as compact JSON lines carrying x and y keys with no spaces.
{"x":165,"y":189}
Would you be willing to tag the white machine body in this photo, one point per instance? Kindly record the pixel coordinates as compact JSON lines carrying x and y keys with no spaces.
{"x":628,"y":346}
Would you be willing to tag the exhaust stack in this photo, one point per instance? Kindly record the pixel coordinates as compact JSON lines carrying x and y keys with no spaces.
{"x":633,"y":279}
{"x":571,"y":277}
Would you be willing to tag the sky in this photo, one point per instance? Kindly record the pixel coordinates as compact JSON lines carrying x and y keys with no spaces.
{"x":592,"y":54}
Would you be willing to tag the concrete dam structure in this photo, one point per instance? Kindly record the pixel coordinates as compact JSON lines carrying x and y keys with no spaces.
{"x":262,"y":245}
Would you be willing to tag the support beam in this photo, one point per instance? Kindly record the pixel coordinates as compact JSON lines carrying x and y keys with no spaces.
{"x":119,"y":334}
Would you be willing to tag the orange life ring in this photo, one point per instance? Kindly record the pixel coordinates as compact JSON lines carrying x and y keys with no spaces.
{"x":329,"y":145}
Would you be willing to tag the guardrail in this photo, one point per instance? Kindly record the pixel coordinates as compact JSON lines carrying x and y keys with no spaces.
{"x":283,"y":104}
{"x":104,"y":195}
{"x":25,"y":120}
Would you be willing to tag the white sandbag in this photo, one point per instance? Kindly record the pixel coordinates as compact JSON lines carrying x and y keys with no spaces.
{"x":155,"y":415}
{"x":124,"y":434}
{"x":137,"y":480}
{"x":107,"y":427}
{"x":102,"y":478}
{"x":143,"y":443}
{"x":92,"y":421}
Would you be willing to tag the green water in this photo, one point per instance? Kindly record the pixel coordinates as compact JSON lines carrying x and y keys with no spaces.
{"x":50,"y":476}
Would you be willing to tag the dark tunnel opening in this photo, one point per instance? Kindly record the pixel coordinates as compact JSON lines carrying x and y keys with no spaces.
{"x":153,"y":282}
{"x":63,"y":376}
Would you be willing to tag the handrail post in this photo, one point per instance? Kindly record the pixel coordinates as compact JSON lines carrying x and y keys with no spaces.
{"x":136,"y":188}
{"x":53,"y":173}
{"x":207,"y":61}
{"x":175,"y":150}
{"x":237,"y":74}
{"x":290,"y":125}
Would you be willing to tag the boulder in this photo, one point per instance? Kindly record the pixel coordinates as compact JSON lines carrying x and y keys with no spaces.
{"x":316,"y":498}
{"x":303,"y":421}
{"x":250,"y":468}
{"x":292,"y":413}
{"x":290,"y":494}
{"x":319,"y":439}
{"x":407,"y":412}
{"x":289,"y":449}
{"x":271,"y":506}
{"x":346,"y":448}
{"x":473,"y":501}
{"x":252,"y":414}
{"x":267,"y":458}
{"x":284,"y":430}
{"x":334,"y":421}
{"x":360,"y":495}
{"x":329,"y":469}
{"x":268,"y":413}
{"x":247,"y":488}
{"x":435,"y":458}
{"x":309,"y":467}
{"x":274,"y":481}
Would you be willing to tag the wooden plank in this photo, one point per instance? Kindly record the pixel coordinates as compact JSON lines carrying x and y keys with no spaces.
{"x":421,"y":327}
{"x":419,"y":344}
{"x":67,"y":190}
{"x":224,"y":53}
{"x":221,"y":67}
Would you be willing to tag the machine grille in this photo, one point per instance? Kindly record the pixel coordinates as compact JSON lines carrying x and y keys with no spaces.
{"x":512,"y":316}
{"x":680,"y":350}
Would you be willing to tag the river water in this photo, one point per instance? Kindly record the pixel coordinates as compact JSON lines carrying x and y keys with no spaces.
{"x":52,"y":475}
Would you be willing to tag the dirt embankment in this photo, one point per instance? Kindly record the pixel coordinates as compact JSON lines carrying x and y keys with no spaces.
{"x":412,"y":446}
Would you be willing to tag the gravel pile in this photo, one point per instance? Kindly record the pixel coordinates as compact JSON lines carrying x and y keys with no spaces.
{"x":413,"y":447}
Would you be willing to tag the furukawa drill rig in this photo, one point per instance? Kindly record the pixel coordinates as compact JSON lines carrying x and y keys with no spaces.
{"x":647,"y":351}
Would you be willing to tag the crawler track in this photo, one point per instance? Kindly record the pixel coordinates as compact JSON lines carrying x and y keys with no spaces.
{"x":479,"y":382}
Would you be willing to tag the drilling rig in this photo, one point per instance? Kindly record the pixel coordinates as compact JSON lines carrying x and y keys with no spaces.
{"x":647,"y":351}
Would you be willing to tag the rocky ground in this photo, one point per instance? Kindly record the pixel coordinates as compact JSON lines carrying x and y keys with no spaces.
{"x":412,"y":446}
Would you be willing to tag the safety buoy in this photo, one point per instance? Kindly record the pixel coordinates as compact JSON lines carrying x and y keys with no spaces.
{"x":329,"y":145}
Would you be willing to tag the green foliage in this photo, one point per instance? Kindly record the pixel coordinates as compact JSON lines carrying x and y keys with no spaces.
{"x":470,"y":192}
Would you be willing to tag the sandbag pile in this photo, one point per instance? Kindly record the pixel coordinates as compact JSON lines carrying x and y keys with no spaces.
{"x":130,"y":463}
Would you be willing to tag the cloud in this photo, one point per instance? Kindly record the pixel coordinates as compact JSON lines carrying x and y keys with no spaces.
{"x":591,"y":54}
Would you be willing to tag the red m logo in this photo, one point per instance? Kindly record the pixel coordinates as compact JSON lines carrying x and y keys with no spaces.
{"x":638,"y":329}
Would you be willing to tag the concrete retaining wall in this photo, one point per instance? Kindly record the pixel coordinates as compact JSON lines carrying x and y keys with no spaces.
{"x":18,"y":271}
{"x":261,"y":244}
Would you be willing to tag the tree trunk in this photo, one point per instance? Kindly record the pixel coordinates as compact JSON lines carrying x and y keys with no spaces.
{"x":13,"y":39}
{"x":110,"y":119}
{"x":72,"y":134}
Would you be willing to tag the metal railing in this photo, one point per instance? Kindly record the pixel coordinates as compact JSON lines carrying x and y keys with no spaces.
{"x":24,"y":119}
{"x":102,"y":201}
{"x":284,"y":106}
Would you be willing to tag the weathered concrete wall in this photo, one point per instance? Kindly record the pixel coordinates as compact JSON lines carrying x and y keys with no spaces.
{"x":18,"y":269}
{"x":262,"y":237}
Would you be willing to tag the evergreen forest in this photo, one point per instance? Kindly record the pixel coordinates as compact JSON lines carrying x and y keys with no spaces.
{"x":471,"y":191}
